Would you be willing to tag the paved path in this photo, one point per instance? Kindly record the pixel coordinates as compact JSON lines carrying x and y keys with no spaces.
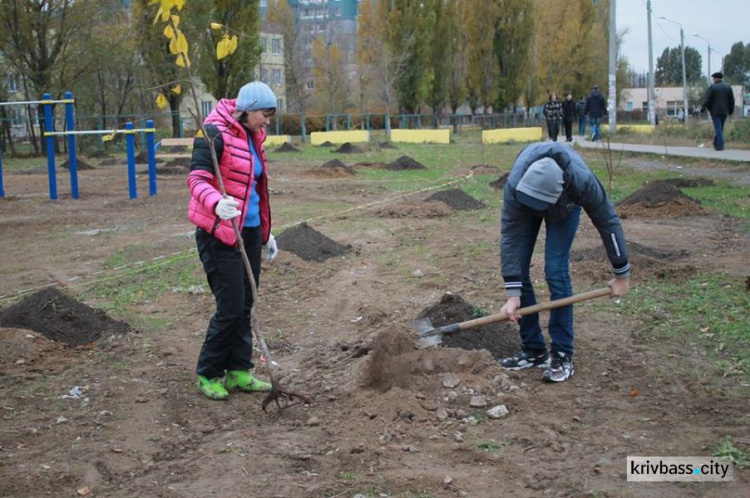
{"x":737,"y":155}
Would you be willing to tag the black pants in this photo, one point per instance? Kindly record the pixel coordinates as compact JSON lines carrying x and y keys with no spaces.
{"x":553,"y":128}
{"x":229,"y":340}
{"x":568,"y":130}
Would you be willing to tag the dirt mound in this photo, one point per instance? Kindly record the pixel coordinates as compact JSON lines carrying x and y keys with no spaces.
{"x":348,"y":148}
{"x":112,"y":161}
{"x":457,"y":199}
{"x":333,"y":169}
{"x":415,"y":210}
{"x":81,"y":165}
{"x":500,"y":339}
{"x":387,"y":145}
{"x":326,"y":144}
{"x":286,"y":147}
{"x":309,"y":244}
{"x":404,"y":162}
{"x":646,"y":262}
{"x":500,"y":182}
{"x":659,"y":200}
{"x":60,"y":318}
{"x":484,"y":169}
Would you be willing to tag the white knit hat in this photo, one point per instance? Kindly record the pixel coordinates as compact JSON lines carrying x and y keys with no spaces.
{"x":255,"y":96}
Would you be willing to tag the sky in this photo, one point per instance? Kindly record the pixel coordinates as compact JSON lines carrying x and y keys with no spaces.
{"x":722,"y":22}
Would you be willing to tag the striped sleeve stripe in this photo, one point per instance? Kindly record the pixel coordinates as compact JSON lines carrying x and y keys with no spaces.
{"x":620,"y":271}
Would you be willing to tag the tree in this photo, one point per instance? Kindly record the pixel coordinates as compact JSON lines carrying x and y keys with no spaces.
{"x":410,"y":30}
{"x":513,"y":47}
{"x":224,"y":77}
{"x":737,"y":65}
{"x":279,"y":12}
{"x":669,"y":67}
{"x":440,"y":56}
{"x":331,"y":84}
{"x":482,"y":69}
{"x":457,"y":67}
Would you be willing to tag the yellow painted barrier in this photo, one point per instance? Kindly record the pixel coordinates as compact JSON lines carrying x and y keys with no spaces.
{"x":506,"y":135}
{"x":339,"y":137}
{"x":630,"y":128}
{"x":277,"y":140}
{"x":421,"y":136}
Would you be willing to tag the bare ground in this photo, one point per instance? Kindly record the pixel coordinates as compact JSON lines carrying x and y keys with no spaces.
{"x":382,"y":422}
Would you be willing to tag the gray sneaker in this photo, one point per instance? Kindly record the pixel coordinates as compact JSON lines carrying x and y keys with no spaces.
{"x":560,"y":370}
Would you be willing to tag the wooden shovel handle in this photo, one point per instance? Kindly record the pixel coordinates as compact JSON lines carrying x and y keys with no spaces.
{"x":558,"y":303}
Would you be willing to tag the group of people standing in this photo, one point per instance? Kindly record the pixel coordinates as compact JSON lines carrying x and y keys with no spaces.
{"x":593,"y":107}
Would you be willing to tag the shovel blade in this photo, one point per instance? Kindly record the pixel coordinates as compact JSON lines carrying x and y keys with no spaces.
{"x":428,"y":336}
{"x":422,"y":326}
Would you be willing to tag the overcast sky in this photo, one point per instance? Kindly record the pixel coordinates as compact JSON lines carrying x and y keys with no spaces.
{"x":722,"y":22}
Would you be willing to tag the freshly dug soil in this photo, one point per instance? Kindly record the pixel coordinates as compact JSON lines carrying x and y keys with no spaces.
{"x":348,"y":148}
{"x":60,"y":318}
{"x":80,"y":164}
{"x":404,"y":162}
{"x":387,"y":145}
{"x":500,"y":339}
{"x":688,"y":182}
{"x":598,"y":253}
{"x":433,"y":209}
{"x":286,"y":147}
{"x":333,"y":169}
{"x":500,"y":182}
{"x":370,"y":164}
{"x":484,"y":169}
{"x":659,"y":200}
{"x":309,"y":244}
{"x":457,"y":199}
{"x":326,"y":144}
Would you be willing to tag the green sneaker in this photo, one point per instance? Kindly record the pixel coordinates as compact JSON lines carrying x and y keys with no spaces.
{"x":212,"y":388}
{"x":244,"y":381}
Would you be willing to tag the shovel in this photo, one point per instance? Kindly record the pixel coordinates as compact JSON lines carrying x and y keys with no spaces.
{"x":430,"y":336}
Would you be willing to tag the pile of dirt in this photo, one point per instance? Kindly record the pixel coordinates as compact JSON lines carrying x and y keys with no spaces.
{"x":326,"y":144}
{"x":387,"y":145}
{"x":287,"y":147}
{"x":112,"y":161}
{"x":457,"y":199}
{"x":309,"y":244}
{"x":60,"y":318}
{"x":500,"y":339}
{"x":484,"y":169}
{"x":415,"y":210}
{"x":500,"y":182}
{"x":81,"y":165}
{"x":404,"y":162}
{"x":333,"y":169}
{"x":645,"y":262}
{"x":659,"y":200}
{"x":348,"y":148}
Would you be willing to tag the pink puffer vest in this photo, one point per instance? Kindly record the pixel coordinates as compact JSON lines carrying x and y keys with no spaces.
{"x":237,"y":171}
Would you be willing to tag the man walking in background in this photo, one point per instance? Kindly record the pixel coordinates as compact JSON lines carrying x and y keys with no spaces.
{"x":719,"y":101}
{"x":596,"y":109}
{"x":569,"y":116}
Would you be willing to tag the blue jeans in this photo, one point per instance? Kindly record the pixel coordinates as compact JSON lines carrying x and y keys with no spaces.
{"x":581,"y":125}
{"x":560,"y":235}
{"x":596,"y":128}
{"x":719,"y":120}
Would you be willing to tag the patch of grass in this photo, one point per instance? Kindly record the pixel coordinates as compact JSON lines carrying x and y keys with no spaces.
{"x":727,"y":449}
{"x":730,"y":199}
{"x":347,"y":476}
{"x":489,"y":447}
{"x":712,"y":309}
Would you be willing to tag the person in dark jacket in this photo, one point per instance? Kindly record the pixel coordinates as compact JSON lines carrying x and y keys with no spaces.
{"x":237,"y":129}
{"x":581,"y":111}
{"x":550,"y":182}
{"x":553,"y":113}
{"x":569,"y":116}
{"x":596,"y":109}
{"x":719,"y":101}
